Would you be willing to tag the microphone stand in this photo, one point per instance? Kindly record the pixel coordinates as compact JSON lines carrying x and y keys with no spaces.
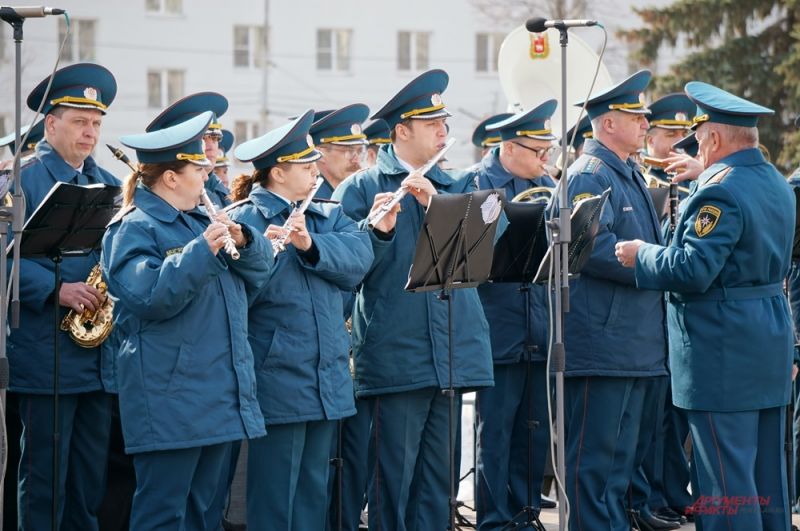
{"x":561,"y":238}
{"x":15,"y":216}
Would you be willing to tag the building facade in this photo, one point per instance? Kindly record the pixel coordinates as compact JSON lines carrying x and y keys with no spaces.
{"x":316,"y":54}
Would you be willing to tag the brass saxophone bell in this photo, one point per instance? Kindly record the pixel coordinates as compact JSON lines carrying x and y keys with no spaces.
{"x":90,"y":328}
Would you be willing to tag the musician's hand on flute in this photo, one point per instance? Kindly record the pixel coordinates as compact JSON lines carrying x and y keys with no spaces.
{"x":299,"y":236}
{"x":389,"y":220}
{"x":626,"y":252}
{"x":420,"y":187}
{"x":682,"y":167}
{"x":234,"y":228}
{"x":215,"y":235}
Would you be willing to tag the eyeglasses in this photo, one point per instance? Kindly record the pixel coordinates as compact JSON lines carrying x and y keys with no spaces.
{"x":540,"y":152}
{"x":353,"y":152}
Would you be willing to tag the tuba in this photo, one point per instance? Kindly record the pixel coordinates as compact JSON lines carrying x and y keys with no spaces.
{"x":88,"y":329}
{"x":529,"y":68}
{"x":537,"y":194}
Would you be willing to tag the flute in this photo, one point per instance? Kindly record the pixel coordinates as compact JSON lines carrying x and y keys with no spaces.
{"x":279,"y":244}
{"x":375,"y":217}
{"x":211,"y":210}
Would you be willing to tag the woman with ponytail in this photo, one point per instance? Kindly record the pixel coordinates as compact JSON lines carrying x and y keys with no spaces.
{"x":296,"y":328}
{"x":185,"y":368}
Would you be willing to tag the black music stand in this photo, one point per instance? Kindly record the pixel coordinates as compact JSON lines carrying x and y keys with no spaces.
{"x":454,"y":250}
{"x":517,"y":256}
{"x":584,"y":224}
{"x":70,"y":221}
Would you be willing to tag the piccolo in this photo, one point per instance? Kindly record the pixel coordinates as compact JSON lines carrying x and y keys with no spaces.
{"x":211,"y":210}
{"x":376,"y":216}
{"x":279,"y":244}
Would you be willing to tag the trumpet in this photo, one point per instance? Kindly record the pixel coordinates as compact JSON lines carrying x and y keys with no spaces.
{"x":279,"y":244}
{"x":375,"y":217}
{"x":537,"y":194}
{"x":655,"y":182}
{"x":211,"y":210}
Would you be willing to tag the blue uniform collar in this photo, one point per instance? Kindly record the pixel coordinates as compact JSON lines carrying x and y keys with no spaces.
{"x":745,"y":157}
{"x":58,"y":167}
{"x":270,"y":205}
{"x":215,"y":184}
{"x":389,"y":165}
{"x":595,"y":148}
{"x":153,"y":205}
{"x":498,"y":177}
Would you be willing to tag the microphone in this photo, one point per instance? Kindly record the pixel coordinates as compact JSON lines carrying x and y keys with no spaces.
{"x":9,"y":12}
{"x":539,"y":24}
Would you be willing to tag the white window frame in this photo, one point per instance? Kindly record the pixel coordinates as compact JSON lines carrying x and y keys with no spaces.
{"x":75,"y":50}
{"x":416,"y":63}
{"x":164,"y":87}
{"x":255,"y":47}
{"x":340,"y":50}
{"x":163,"y":9}
{"x":244,"y":130}
{"x":492,"y":51}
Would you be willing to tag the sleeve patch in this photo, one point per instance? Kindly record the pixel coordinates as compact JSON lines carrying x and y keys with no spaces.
{"x":706,"y":220}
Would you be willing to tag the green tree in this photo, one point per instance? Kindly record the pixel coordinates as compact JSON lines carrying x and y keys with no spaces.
{"x":748,"y":47}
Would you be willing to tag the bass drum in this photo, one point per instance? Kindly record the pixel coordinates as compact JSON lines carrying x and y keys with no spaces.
{"x":529,"y":67}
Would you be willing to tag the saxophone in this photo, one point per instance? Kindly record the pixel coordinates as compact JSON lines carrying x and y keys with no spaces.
{"x":88,"y":329}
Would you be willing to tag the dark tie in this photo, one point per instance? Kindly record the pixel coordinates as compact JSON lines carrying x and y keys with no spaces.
{"x":82,"y":180}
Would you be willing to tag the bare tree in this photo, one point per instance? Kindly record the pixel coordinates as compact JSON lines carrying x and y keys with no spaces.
{"x":509,"y":13}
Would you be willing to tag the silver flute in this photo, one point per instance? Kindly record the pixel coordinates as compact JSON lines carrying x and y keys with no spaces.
{"x":211,"y":210}
{"x":279,"y":244}
{"x":377,"y":215}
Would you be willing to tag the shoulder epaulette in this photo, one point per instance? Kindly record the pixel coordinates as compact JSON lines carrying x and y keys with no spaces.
{"x":237,"y":203}
{"x":27,"y":161}
{"x":121,"y":213}
{"x":719,"y":176}
{"x":592,"y":165}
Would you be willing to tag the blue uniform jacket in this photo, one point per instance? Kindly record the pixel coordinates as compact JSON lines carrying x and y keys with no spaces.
{"x":297,"y":332}
{"x":400,"y":338}
{"x":730,"y":330}
{"x":613,"y":328}
{"x":217,"y":191}
{"x":185,"y":368}
{"x":325,"y":191}
{"x":503,"y":302}
{"x":794,"y":281}
{"x":30,"y":347}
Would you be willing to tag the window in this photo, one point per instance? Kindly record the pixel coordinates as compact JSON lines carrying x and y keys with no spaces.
{"x":164,"y":87}
{"x":171,"y":7}
{"x":249,"y":46}
{"x":333,"y":49}
{"x":487,"y":49}
{"x":80,"y":45}
{"x":244,"y":130}
{"x":413,"y":50}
